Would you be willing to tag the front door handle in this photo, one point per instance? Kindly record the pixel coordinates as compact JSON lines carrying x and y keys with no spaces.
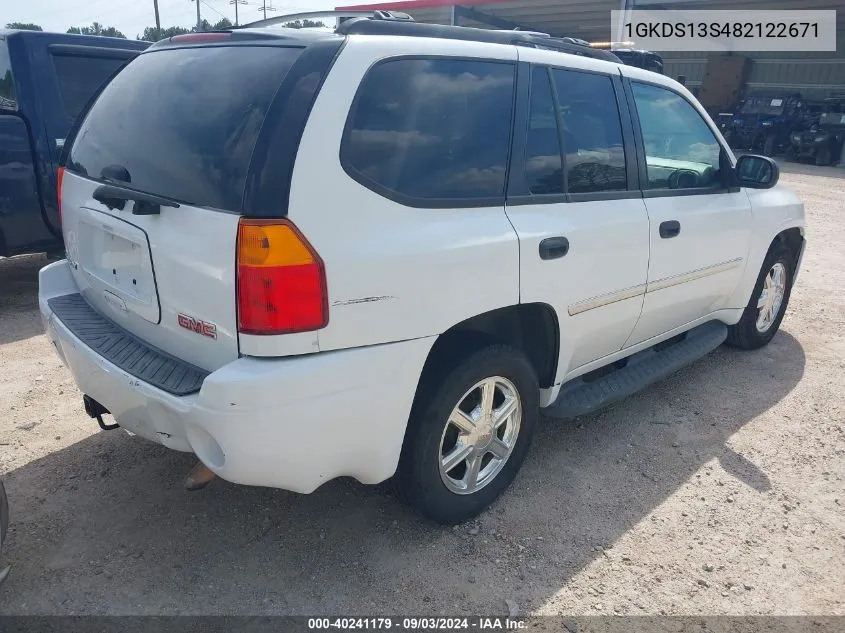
{"x":671,"y":228}
{"x":554,"y":248}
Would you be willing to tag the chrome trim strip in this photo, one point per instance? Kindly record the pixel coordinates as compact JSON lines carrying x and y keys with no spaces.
{"x":660,"y":284}
{"x":675,"y":280}
{"x":603,"y":300}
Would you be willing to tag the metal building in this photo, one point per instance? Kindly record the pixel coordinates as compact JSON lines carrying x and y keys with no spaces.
{"x":815,"y":75}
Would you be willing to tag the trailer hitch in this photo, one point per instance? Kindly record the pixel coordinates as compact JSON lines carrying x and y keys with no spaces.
{"x":95,"y":410}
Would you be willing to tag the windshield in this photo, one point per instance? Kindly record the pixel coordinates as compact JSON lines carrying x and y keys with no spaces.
{"x":182,"y":123}
{"x":763,"y":105}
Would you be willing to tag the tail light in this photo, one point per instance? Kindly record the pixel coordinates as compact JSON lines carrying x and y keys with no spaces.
{"x":60,"y":176}
{"x":281,"y":280}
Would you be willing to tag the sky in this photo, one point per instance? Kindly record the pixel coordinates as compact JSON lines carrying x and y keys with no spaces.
{"x":132,"y":16}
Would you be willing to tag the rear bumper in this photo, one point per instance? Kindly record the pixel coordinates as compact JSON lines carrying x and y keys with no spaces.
{"x":291,"y":423}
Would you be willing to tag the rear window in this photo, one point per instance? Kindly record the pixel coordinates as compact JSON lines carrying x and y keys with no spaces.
{"x":184,"y":122}
{"x":8,"y":100}
{"x":80,"y":77}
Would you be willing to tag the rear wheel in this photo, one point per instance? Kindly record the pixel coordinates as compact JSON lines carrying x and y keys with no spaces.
{"x":767,"y":306}
{"x":823,"y":156}
{"x":468,"y":434}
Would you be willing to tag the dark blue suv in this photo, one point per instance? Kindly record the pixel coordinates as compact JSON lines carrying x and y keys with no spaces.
{"x":46,"y":80}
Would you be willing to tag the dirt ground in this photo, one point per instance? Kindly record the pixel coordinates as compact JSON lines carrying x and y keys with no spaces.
{"x":718,"y":491}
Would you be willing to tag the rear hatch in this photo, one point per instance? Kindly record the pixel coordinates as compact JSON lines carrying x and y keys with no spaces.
{"x":173,"y":135}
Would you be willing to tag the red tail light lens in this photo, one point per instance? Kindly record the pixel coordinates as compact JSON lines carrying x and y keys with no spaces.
{"x":60,"y":176}
{"x":281,"y":280}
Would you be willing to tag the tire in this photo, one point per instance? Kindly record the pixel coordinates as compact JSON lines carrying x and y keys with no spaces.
{"x":769,"y":146}
{"x":747,"y":334}
{"x":791,"y":154}
{"x":431,"y":435}
{"x":824,"y":157}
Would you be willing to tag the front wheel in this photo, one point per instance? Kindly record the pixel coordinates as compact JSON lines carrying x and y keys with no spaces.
{"x":769,"y":145}
{"x":468,"y":434}
{"x":765,"y":310}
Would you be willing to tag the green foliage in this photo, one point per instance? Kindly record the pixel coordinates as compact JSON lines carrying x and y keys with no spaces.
{"x":304,"y":24}
{"x":97,"y":29}
{"x":23,"y":26}
{"x":151,"y":34}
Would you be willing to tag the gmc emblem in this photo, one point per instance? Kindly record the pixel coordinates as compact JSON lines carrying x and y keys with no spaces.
{"x":195,"y":325}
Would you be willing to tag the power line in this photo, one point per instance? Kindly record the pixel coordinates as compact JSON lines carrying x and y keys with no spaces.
{"x":222,"y":15}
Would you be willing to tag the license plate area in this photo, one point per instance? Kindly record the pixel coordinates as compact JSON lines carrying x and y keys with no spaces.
{"x":115,"y":258}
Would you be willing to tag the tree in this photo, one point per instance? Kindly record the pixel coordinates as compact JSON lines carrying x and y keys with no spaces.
{"x":152,"y":34}
{"x":96,"y":29}
{"x":23,"y":26}
{"x":304,"y":24}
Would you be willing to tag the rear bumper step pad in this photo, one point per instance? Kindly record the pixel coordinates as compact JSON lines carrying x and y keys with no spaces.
{"x":125,"y":350}
{"x":580,"y":397}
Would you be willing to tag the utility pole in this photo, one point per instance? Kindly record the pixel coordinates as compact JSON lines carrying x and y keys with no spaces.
{"x":265,"y":8}
{"x":236,"y":3}
{"x":158,"y":21}
{"x":199,"y":19}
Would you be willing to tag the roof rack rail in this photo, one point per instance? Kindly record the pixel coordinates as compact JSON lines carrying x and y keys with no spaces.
{"x":364,"y":26}
{"x":308,"y":15}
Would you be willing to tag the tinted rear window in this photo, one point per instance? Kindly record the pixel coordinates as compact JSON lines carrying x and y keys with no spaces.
{"x":80,"y":77}
{"x":430,"y":129}
{"x":184,"y":122}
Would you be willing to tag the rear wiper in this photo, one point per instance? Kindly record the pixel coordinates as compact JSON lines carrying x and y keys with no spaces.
{"x":115,"y":197}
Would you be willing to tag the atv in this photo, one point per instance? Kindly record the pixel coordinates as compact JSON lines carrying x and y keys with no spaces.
{"x":823,"y":142}
{"x":765,"y":120}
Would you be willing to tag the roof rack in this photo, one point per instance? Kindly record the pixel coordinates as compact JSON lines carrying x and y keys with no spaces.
{"x":365,"y":26}
{"x":308,"y":15}
{"x":395,"y":23}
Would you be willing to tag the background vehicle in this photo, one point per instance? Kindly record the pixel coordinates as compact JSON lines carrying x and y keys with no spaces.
{"x":765,"y":120}
{"x":46,"y":79}
{"x":4,"y":527}
{"x":647,"y":60}
{"x":417,"y":237}
{"x":823,"y":142}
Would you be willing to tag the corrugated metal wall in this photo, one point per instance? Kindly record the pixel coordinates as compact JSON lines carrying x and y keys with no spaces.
{"x":814,"y":75}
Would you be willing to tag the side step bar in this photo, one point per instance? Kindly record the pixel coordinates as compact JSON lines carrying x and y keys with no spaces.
{"x":585,"y":394}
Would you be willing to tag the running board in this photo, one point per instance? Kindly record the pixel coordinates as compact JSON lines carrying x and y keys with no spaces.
{"x":590,"y":393}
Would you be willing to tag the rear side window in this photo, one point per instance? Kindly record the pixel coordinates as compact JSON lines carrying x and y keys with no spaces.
{"x":424,"y":130}
{"x":184,"y":122}
{"x":594,"y":153}
{"x":80,"y":77}
{"x":8,"y":97}
{"x":542,"y":147}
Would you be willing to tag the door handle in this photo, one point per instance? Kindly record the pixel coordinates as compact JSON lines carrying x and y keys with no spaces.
{"x":671,"y":228}
{"x":554,"y":248}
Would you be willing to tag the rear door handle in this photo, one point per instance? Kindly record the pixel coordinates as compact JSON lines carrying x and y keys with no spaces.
{"x":671,"y":228}
{"x":554,"y":247}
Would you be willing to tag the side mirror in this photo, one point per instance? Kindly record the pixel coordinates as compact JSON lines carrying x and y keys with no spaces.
{"x":756,"y":172}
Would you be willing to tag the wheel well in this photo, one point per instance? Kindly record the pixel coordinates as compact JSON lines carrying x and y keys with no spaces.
{"x":792,"y":240}
{"x":531,"y":328}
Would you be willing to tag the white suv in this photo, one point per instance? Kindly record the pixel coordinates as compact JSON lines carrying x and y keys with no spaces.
{"x":379,"y":252}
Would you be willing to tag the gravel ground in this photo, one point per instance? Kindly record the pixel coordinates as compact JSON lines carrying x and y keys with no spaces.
{"x":718,"y":491}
